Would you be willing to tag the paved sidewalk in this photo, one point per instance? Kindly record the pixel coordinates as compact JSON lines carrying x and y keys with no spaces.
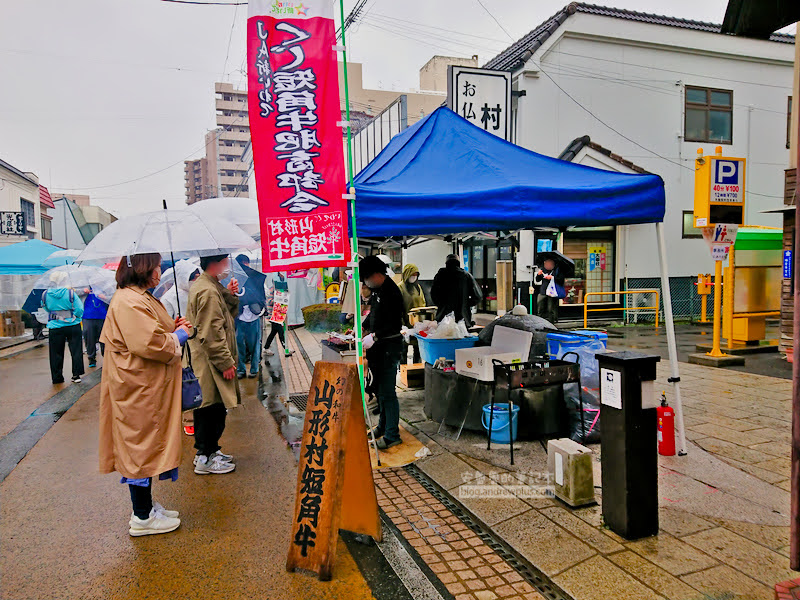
{"x":723,"y":508}
{"x":65,"y":531}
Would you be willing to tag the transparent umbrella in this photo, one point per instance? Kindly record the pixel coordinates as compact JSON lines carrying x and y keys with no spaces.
{"x":166,"y":231}
{"x":242,"y":212}
{"x":61,"y":257}
{"x":80,"y":278}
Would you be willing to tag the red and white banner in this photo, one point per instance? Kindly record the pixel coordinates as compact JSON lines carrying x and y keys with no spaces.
{"x":293,"y":101}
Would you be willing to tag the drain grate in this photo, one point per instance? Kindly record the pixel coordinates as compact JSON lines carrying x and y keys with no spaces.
{"x":541,"y":582}
{"x":299,"y":400}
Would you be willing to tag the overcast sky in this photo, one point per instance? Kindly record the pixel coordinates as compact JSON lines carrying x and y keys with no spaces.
{"x":109,"y":97}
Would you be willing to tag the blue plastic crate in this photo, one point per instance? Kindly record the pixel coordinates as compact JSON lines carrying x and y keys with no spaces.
{"x":432,"y":349}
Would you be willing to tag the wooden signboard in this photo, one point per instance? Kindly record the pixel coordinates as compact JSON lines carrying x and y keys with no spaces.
{"x":335,"y":488}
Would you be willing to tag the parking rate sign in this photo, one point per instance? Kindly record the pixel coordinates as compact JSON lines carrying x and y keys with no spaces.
{"x":727,"y":181}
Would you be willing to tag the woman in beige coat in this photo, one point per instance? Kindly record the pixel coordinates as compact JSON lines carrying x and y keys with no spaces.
{"x":140,"y":392}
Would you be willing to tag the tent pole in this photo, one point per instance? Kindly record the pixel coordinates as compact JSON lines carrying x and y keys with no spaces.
{"x":354,"y":244}
{"x":675,"y":376}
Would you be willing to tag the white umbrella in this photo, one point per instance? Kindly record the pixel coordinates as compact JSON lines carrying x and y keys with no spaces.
{"x":242,"y":212}
{"x":102,"y":282}
{"x":61,"y":257}
{"x":165,"y":231}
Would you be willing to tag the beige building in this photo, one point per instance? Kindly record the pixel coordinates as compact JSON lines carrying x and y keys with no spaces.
{"x":76,"y":220}
{"x":222,"y":172}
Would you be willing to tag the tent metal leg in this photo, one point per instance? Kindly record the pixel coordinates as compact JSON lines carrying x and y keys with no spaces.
{"x":669,"y":322}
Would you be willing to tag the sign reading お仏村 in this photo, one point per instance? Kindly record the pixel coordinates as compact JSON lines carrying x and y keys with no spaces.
{"x":12,"y":223}
{"x":482,"y":97}
{"x":293,"y":100}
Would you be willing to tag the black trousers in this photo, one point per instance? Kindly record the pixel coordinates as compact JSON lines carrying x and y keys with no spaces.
{"x":547,"y":308}
{"x":275,"y":329}
{"x":142,"y":500}
{"x":59,"y":337}
{"x":209,"y":423}
{"x":91,"y":336}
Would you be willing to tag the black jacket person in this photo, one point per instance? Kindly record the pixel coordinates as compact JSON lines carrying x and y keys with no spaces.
{"x":383,"y":344}
{"x":455,"y":291}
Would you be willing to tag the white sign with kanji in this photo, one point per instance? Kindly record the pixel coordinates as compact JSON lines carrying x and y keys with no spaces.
{"x":482,"y":97}
{"x":720,"y":238}
{"x":12,"y":223}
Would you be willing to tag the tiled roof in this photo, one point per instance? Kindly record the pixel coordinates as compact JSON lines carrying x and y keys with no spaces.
{"x":578,"y":144}
{"x":44,"y":197}
{"x":521,"y":50}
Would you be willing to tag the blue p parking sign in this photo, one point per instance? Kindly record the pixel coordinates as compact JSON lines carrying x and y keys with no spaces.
{"x":727,"y":180}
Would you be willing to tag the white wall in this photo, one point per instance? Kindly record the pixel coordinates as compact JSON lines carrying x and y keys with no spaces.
{"x":66,"y":233}
{"x":634,"y":82}
{"x":12,"y":189}
{"x":428,"y":256}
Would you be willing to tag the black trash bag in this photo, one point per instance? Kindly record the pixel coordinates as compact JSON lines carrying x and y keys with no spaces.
{"x":537,"y":325}
{"x":590,"y":416}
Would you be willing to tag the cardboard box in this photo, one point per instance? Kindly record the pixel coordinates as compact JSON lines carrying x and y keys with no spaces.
{"x":508,"y":346}
{"x":413,"y":376}
{"x":477,"y":362}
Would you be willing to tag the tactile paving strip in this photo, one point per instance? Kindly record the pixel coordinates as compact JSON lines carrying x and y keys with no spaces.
{"x":466,"y":557}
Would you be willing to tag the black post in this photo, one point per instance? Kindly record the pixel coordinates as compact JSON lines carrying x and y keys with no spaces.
{"x":629,"y":457}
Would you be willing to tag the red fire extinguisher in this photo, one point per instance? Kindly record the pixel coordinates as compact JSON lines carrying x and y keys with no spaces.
{"x":666,"y":428}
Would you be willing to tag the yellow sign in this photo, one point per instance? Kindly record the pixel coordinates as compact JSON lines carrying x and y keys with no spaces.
{"x":719,"y":190}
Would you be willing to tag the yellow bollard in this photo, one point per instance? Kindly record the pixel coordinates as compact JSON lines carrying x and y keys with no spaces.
{"x":715,"y":350}
{"x":728,"y":292}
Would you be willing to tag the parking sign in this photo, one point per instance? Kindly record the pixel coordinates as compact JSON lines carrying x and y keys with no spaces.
{"x":727,"y":180}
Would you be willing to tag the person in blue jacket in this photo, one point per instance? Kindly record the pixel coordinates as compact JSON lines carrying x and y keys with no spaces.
{"x":94,"y":315}
{"x":65,"y":310}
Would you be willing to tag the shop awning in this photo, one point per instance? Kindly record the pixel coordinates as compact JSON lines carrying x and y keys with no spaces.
{"x":445,"y":175}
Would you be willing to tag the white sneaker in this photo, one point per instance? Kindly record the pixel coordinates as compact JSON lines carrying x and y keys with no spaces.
{"x":172,"y":514}
{"x":225,"y":457}
{"x":157,"y":523}
{"x":207,"y":466}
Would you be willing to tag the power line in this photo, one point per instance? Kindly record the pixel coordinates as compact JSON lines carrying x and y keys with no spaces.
{"x":206,"y":3}
{"x":415,"y":23}
{"x":152,"y":174}
{"x":230,"y":38}
{"x":488,"y":12}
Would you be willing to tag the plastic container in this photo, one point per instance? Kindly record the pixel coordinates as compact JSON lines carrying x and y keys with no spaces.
{"x":567,"y":341}
{"x":502,"y":431}
{"x":431,"y":349}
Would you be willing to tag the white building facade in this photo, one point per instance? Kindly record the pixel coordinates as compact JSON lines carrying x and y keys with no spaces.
{"x":649,"y":91}
{"x":19,"y":192}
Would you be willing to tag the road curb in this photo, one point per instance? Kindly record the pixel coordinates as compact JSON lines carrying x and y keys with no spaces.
{"x":16,"y":444}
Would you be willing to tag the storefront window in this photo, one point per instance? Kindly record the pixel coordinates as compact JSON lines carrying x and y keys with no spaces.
{"x":593,"y":253}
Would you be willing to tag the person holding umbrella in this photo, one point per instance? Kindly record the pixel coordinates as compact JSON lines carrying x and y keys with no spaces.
{"x":555,"y":269}
{"x":140,"y":392}
{"x":65,"y":310}
{"x":213,"y":310}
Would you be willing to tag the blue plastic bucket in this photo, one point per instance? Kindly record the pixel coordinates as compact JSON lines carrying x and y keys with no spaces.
{"x":500,"y":425}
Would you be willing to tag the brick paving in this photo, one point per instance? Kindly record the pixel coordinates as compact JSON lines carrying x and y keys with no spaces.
{"x":469,"y":569}
{"x":296,"y":371}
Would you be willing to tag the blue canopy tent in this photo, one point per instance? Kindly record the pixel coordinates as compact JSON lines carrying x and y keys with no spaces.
{"x":444,"y":175}
{"x":25,"y":258}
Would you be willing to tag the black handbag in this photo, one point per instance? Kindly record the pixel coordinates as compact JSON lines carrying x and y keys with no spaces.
{"x":191,"y":393}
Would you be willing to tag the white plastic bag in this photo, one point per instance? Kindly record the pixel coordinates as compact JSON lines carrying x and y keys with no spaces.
{"x":551,"y":289}
{"x":447,"y":329}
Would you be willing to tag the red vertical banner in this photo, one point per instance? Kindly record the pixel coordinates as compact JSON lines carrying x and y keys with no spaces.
{"x":293,"y":101}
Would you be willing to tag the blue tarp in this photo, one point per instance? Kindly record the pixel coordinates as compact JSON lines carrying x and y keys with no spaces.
{"x":25,"y":258}
{"x":445,"y":175}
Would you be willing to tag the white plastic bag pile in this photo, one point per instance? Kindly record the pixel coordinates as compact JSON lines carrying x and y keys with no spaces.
{"x":447,"y":328}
